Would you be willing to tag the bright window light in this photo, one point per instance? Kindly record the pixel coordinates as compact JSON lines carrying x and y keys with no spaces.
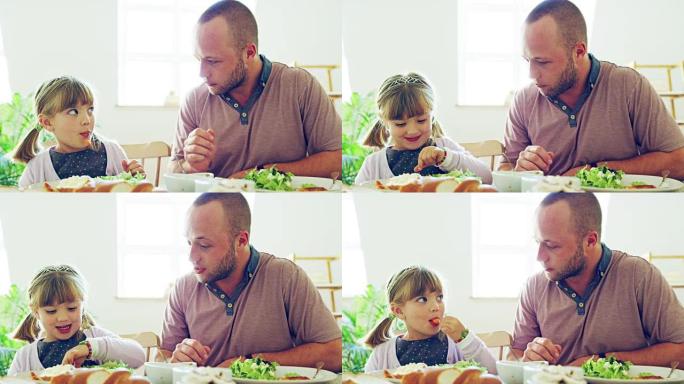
{"x":504,"y":248}
{"x":4,"y":266}
{"x":353,"y":266}
{"x":156,"y":50}
{"x":489,"y":41}
{"x":5,"y":91}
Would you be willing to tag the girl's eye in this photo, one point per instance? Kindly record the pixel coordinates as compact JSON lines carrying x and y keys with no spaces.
{"x":399,"y":124}
{"x":204,"y":246}
{"x":73,"y":309}
{"x":50,"y":311}
{"x":72,"y":111}
{"x":422,"y":121}
{"x":91,"y":110}
{"x":440,"y":297}
{"x":421,"y":299}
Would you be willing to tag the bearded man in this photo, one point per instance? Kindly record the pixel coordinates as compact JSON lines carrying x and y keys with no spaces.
{"x":580,"y":111}
{"x":239,"y":302}
{"x":250,"y":112}
{"x":590,"y":300}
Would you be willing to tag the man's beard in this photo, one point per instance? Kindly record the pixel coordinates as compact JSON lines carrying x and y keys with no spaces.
{"x":225,"y":268}
{"x":237,"y":78}
{"x":567,"y":80}
{"x":575,"y":265}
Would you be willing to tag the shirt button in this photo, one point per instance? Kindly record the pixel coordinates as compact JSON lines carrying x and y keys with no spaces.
{"x":574,"y":295}
{"x":564,"y":108}
{"x":572,"y":117}
{"x":235,"y":105}
{"x":581,"y":305}
{"x":223,"y":296}
{"x":230,"y":305}
{"x":244,"y":114}
{"x":602,"y":273}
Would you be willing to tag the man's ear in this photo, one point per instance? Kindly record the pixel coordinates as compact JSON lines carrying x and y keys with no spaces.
{"x":251,"y":51}
{"x":242,"y":239}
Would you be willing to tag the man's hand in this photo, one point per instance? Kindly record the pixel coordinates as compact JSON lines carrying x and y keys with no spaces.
{"x":534,"y":158}
{"x":542,"y":348}
{"x":200,"y":149}
{"x":429,"y":156}
{"x":190,"y":350}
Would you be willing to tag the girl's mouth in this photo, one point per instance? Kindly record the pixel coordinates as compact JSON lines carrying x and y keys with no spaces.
{"x":64,"y":329}
{"x":412,"y":139}
{"x":435,"y":321}
{"x":86,"y":135}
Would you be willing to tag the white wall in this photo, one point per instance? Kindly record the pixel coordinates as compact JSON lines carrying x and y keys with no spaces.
{"x":398,"y":231}
{"x":386,"y":37}
{"x":81,"y":231}
{"x":44,"y":39}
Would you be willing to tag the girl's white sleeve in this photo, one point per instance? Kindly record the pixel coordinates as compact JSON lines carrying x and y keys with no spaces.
{"x":372,"y":364}
{"x":108,"y":346}
{"x":20,"y":363}
{"x":458,"y":158}
{"x":473,"y":348}
{"x":366,"y":172}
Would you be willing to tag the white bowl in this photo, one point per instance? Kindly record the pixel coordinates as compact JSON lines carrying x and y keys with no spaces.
{"x":184,"y":182}
{"x":510,"y":181}
{"x":529,"y":370}
{"x":180,"y":372}
{"x":511,"y":372}
{"x":219,"y":184}
{"x":162,"y":373}
{"x":528,"y":181}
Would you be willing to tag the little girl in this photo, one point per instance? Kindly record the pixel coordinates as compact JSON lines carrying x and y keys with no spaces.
{"x":60,"y":331}
{"x":415,"y":297}
{"x":405,"y":107}
{"x":64,"y":107}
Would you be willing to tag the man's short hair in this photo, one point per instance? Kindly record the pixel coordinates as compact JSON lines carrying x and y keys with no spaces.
{"x":235,"y":209}
{"x":240,"y":20}
{"x":571,"y":25}
{"x":584,"y":208}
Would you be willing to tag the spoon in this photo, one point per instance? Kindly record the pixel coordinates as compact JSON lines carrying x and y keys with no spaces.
{"x":319,"y":365}
{"x":674,"y":365}
{"x":665,"y":173}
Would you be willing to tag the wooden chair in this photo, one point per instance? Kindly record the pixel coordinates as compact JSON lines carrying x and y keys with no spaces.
{"x":671,"y":266}
{"x":325,"y":283}
{"x":328,"y":68}
{"x":147,"y":340}
{"x":497,"y":339}
{"x":152,"y":150}
{"x":664,"y":88}
{"x":487,"y":148}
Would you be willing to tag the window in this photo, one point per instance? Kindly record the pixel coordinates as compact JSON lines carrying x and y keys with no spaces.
{"x":353,"y":267}
{"x":490,"y":64}
{"x":156,"y":50}
{"x":5,"y":91}
{"x":4,"y":266}
{"x":504,"y":249}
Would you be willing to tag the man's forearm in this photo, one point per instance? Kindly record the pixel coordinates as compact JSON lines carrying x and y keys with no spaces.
{"x":658,"y":354}
{"x":652,"y":164}
{"x":321,"y":164}
{"x":307,"y":355}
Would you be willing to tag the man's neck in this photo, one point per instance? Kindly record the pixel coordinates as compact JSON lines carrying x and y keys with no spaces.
{"x":572,"y":95}
{"x":231,"y":282}
{"x":242,"y":93}
{"x":580,"y":282}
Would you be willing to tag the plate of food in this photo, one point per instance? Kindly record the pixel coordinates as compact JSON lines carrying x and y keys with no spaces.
{"x":455,"y":181}
{"x":258,"y":371}
{"x":273,"y":180}
{"x":123,"y":182}
{"x":613,"y":371}
{"x":114,"y":372}
{"x":396,"y":375}
{"x":604,"y":179}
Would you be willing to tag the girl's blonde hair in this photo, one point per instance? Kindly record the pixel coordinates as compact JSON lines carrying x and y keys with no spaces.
{"x":53,"y":96}
{"x":403,"y":286}
{"x":402,"y":96}
{"x":54,"y":284}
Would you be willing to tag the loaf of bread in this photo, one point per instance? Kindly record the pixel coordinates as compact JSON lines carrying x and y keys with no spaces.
{"x":450,"y":376}
{"x":98,"y":376}
{"x":436,"y":184}
{"x":87,"y":184}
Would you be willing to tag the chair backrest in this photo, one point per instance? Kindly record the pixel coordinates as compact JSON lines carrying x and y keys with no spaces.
{"x":497,"y":339}
{"x":663,"y":84}
{"x":152,"y":150}
{"x":325,"y":283}
{"x":147,"y":340}
{"x":329,"y":84}
{"x":487,"y":148}
{"x":671,"y":267}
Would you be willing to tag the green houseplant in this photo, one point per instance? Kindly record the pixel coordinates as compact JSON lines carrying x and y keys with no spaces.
{"x":358,"y":116}
{"x":357,"y":322}
{"x":16,"y":118}
{"x":13,"y":309}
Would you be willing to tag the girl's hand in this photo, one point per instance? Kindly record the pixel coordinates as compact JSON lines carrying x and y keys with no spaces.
{"x":76,"y":355}
{"x":452,"y":327}
{"x":430,"y":156}
{"x":133,"y":167}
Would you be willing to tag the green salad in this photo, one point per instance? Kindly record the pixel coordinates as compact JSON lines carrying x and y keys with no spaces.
{"x":463,"y":364}
{"x":601,"y":177}
{"x":256,"y":369}
{"x":607,"y":368}
{"x":271,"y":179}
{"x":457,"y":174}
{"x":111,"y":365}
{"x":125,"y":176}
